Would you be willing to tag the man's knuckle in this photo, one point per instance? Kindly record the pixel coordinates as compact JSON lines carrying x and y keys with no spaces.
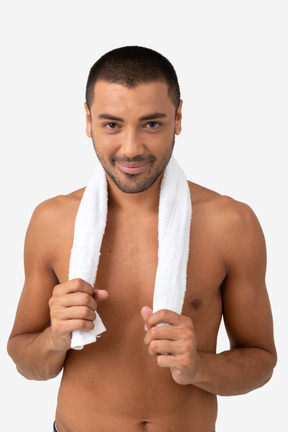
{"x":187,"y":332}
{"x":53,"y":306}
{"x":51,"y":301}
{"x":81,"y":325}
{"x":154,"y":332}
{"x":153,"y":346}
{"x":78,"y":284}
{"x":90,"y":325}
{"x":84,"y":312}
{"x":55,"y":290}
{"x":85,"y":299}
{"x":187,"y":346}
{"x":163,"y":315}
{"x":160,"y":360}
{"x":185,"y":362}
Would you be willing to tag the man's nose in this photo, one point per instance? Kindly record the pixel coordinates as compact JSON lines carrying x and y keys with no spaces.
{"x":132,"y":144}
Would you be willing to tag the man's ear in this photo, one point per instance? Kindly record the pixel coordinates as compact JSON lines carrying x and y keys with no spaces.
{"x":178,"y":125}
{"x":88,"y":121}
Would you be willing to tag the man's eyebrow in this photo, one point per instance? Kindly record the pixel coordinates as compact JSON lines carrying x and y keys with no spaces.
{"x":151,"y":116}
{"x":106,"y":116}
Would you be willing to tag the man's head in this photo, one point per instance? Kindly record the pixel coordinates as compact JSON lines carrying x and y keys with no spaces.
{"x":132,"y":115}
{"x":131,"y":66}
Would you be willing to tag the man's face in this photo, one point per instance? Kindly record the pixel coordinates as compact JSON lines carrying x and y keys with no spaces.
{"x":133,"y":132}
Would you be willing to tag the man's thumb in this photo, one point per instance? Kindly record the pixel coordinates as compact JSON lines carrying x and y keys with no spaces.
{"x":146,"y":311}
{"x":100,"y":295}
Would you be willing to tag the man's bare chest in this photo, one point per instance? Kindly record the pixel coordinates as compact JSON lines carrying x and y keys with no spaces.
{"x":128,"y":265}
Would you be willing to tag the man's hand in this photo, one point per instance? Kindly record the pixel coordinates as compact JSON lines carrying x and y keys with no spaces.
{"x":173,"y":344}
{"x":72,"y":307}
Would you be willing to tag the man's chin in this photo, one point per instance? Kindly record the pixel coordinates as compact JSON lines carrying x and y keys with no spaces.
{"x":133,"y":184}
{"x":129,"y":189}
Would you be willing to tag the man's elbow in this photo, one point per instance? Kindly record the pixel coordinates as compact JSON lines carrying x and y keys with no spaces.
{"x":271,"y":364}
{"x":11,"y":348}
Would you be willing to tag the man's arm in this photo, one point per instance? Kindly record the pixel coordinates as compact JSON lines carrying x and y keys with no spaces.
{"x":247,"y":314}
{"x":48,"y":312}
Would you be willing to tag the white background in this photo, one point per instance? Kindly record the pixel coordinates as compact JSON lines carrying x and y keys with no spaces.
{"x":231,"y":59}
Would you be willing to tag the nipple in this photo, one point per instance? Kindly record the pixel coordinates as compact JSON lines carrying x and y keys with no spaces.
{"x":196,"y":303}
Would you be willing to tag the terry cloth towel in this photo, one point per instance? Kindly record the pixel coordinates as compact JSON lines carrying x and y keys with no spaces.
{"x":174,"y":221}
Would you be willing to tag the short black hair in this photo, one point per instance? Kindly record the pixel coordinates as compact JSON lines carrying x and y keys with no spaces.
{"x":131,"y":66}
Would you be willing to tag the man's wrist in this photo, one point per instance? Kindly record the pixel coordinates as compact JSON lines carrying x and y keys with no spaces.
{"x":51,"y":346}
{"x":199,"y":376}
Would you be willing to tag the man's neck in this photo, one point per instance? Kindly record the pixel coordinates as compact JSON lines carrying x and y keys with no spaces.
{"x":146,"y":202}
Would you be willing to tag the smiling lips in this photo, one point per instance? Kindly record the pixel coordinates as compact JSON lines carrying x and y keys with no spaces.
{"x":132,"y":167}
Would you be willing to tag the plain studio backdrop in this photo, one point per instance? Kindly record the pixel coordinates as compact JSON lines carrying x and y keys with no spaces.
{"x":231,"y":60}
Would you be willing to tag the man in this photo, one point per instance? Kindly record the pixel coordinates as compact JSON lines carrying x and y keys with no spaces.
{"x":124,"y":382}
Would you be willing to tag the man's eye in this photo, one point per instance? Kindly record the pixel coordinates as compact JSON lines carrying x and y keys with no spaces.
{"x":111,"y":125}
{"x":152,"y":124}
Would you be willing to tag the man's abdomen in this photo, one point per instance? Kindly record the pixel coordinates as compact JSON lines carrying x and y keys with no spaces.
{"x":116,"y":387}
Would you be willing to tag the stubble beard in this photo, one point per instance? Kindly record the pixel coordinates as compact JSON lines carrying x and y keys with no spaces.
{"x":139,"y":182}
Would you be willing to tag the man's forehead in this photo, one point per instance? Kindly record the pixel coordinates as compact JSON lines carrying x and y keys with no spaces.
{"x":150,"y":91}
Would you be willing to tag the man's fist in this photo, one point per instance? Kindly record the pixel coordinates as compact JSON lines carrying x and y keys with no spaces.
{"x":72,"y":307}
{"x":171,"y":338}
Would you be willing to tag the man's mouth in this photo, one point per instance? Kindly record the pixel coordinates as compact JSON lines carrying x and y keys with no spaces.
{"x":132,"y":167}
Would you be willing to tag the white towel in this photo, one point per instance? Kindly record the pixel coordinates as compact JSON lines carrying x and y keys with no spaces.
{"x":174,"y":221}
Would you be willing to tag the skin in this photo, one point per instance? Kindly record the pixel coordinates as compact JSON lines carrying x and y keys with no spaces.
{"x":123,"y":381}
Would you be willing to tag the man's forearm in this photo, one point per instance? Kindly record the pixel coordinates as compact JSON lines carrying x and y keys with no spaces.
{"x":234,"y":372}
{"x":34,"y":355}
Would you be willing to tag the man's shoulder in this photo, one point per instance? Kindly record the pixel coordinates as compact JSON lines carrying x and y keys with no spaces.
{"x":57,"y":211}
{"x":221,"y":211}
{"x":60,"y":203}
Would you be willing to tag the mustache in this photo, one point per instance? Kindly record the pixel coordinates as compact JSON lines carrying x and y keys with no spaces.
{"x":138,"y":158}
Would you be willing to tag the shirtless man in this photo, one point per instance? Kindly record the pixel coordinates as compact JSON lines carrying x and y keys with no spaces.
{"x":122,"y":382}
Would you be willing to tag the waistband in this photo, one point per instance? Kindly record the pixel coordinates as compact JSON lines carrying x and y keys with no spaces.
{"x":54,"y":428}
